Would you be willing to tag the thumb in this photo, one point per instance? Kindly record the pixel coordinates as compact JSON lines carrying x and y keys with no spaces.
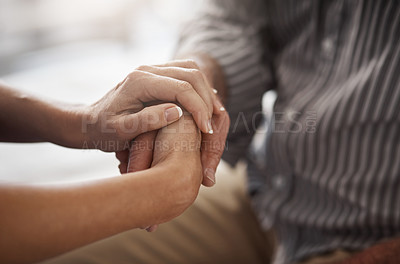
{"x":151,"y":118}
{"x":141,"y":152}
{"x":212,"y":147}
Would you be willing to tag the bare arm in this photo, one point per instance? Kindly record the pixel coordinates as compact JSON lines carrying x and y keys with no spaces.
{"x":212,"y":145}
{"x":39,"y":222}
{"x":24,"y":118}
{"x":125,"y":112}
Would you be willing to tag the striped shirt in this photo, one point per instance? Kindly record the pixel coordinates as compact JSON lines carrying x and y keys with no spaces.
{"x":329,"y":177}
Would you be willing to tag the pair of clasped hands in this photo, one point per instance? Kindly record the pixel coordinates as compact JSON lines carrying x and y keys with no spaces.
{"x":163,"y":114}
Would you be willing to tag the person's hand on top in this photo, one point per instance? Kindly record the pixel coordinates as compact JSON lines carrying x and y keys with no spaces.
{"x":145,"y":101}
{"x":213,"y":144}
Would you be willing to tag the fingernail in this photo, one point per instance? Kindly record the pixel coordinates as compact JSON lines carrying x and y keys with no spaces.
{"x":220,"y":106}
{"x":215,"y":91}
{"x":173,"y":113}
{"x":210,"y":129}
{"x":210,"y":174}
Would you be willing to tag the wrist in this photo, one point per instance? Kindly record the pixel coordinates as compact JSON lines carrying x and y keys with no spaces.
{"x":212,"y":70}
{"x":73,"y":129}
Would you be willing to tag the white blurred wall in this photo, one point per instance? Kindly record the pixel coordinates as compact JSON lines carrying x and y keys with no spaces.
{"x":75,"y":51}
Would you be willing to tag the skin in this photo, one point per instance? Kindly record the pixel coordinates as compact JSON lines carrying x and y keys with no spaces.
{"x":213,"y":145}
{"x":155,"y":190}
{"x":82,"y":213}
{"x":385,"y":252}
{"x":136,"y":159}
{"x":136,"y":105}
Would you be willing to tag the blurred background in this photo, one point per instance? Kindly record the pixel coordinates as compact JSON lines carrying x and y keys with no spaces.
{"x":75,"y":51}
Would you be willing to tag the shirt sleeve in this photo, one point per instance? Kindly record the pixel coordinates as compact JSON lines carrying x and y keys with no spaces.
{"x":230,"y":32}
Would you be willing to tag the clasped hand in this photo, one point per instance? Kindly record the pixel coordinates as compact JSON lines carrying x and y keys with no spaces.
{"x":150,"y":98}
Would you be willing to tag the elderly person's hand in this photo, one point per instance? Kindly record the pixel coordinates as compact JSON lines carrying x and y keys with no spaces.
{"x":140,"y":155}
{"x":164,"y":146}
{"x":213,"y":144}
{"x":145,"y":100}
{"x":121,"y":115}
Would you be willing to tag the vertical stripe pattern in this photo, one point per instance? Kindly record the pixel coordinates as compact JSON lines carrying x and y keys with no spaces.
{"x":335,"y":64}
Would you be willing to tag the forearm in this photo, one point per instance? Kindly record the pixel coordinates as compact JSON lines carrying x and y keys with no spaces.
{"x":24,"y":118}
{"x":64,"y":217}
{"x":42,"y":222}
{"x":385,"y":252}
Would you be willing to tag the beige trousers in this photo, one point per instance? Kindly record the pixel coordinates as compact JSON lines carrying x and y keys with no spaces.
{"x":219,"y":228}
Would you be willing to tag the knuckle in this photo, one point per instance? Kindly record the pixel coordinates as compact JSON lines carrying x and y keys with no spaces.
{"x":197,"y":74}
{"x":214,"y":152}
{"x":223,"y":119}
{"x":135,"y":74}
{"x":184,"y":86}
{"x":143,"y":68}
{"x":213,"y":149}
{"x":192,"y":64}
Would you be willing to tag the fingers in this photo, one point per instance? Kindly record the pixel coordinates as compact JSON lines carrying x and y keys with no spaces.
{"x":188,"y":64}
{"x":213,"y":146}
{"x":218,"y":107}
{"x":186,"y":85}
{"x":156,"y":87}
{"x":141,"y":157}
{"x":191,"y":64}
{"x":191,"y":75}
{"x":123,"y":157}
{"x":149,"y":119}
{"x":141,"y":152}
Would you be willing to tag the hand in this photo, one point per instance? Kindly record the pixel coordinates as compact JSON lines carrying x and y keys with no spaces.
{"x":138,"y":157}
{"x":165,"y":152}
{"x":213,"y":145}
{"x":121,"y":114}
{"x":103,"y":207}
{"x":171,"y":145}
